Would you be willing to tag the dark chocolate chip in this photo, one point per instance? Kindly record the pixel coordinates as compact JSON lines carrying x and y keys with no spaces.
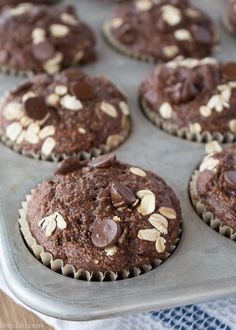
{"x":36,"y":107}
{"x":229,"y":70}
{"x":121,"y":195}
{"x":69,"y":165}
{"x":82,"y":90}
{"x":73,"y":73}
{"x":201,"y":35}
{"x":183,"y":91}
{"x":106,"y":234}
{"x":103,"y":161}
{"x":230,"y":180}
{"x":43,"y":51}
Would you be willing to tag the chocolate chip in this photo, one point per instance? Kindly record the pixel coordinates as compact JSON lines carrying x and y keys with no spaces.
{"x":73,"y":73}
{"x":106,"y":234}
{"x":69,"y":165}
{"x":229,"y":70}
{"x":201,"y":35}
{"x":43,"y":51}
{"x":82,"y":90}
{"x":103,"y":161}
{"x":22,"y":87}
{"x":183,"y":91}
{"x":121,"y":195}
{"x":230,"y":181}
{"x":36,"y":107}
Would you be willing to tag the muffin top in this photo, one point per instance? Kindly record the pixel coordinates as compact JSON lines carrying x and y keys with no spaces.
{"x":162,"y":30}
{"x":66,"y":113}
{"x":38,"y":38}
{"x":216,"y":185}
{"x":196,"y":94}
{"x":103,"y":215}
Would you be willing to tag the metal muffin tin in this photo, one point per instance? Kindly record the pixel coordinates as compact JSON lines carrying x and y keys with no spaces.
{"x":203,"y":266}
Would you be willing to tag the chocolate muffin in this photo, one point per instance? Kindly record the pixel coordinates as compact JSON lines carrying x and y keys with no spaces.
{"x":103,"y":216}
{"x":194,"y":99}
{"x":38,"y":38}
{"x":53,"y":116}
{"x":5,"y":3}
{"x":213,"y":189}
{"x":161,"y":30}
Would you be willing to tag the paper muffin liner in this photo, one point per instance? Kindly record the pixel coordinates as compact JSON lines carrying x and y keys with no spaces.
{"x":185,"y":132}
{"x":206,"y":215}
{"x":118,"y":46}
{"x":68,"y":270}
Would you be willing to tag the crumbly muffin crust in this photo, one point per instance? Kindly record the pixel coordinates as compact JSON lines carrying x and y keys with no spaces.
{"x":64,"y":114}
{"x":161,"y":30}
{"x":216,"y":185}
{"x":5,"y":3}
{"x":39,"y":38}
{"x":198,"y":95}
{"x":81,"y":198}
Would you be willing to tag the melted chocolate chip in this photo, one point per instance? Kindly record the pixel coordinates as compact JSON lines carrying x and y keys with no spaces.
{"x":202,"y":35}
{"x":36,"y":107}
{"x":106,"y":234}
{"x":82,"y":90}
{"x":183,"y":91}
{"x":69,"y":165}
{"x":230,"y":181}
{"x":103,"y":161}
{"x":43,"y":51}
{"x":22,"y":87}
{"x":73,"y":73}
{"x":121,"y":195}
{"x":229,"y":70}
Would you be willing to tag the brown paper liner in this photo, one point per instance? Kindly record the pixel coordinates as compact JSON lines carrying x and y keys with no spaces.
{"x":207,"y":216}
{"x":58,"y":265}
{"x":118,"y":46}
{"x":185,"y":132}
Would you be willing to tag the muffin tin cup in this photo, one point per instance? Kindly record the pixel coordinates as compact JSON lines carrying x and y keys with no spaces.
{"x":185,"y":132}
{"x":207,"y":216}
{"x":227,"y":25}
{"x":58,"y":265}
{"x":118,"y":46}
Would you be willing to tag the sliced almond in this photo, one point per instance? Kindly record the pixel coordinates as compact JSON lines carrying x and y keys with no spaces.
{"x":213,"y":147}
{"x":170,"y":51}
{"x":114,"y":141}
{"x":166,"y":110}
{"x":82,"y":130}
{"x":59,"y":30}
{"x":53,"y":65}
{"x":61,"y":90}
{"x":31,"y":137}
{"x":171,"y":15}
{"x":61,"y":223}
{"x":143,"y":193}
{"x":195,"y":128}
{"x":116,"y":218}
{"x":38,"y":35}
{"x":52,"y":225}
{"x":148,"y":235}
{"x":160,"y":244}
{"x":183,"y":35}
{"x":137,"y":171}
{"x":13,"y":110}
{"x":53,"y":100}
{"x":20,"y":9}
{"x":26,"y":121}
{"x":111,"y":251}
{"x":232,"y":126}
{"x":205,"y":111}
{"x":159,"y":222}
{"x":48,"y":146}
{"x":144,"y":5}
{"x":33,"y":128}
{"x":71,"y":103}
{"x":47,"y":131}
{"x":124,"y":108}
{"x":116,"y":22}
{"x":69,"y":19}
{"x":214,"y":102}
{"x":27,"y":96}
{"x":147,"y":205}
{"x":13,"y":131}
{"x":193,"y":13}
{"x":109,"y":109}
{"x":167,"y":212}
{"x":209,"y":164}
{"x":20,"y":138}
